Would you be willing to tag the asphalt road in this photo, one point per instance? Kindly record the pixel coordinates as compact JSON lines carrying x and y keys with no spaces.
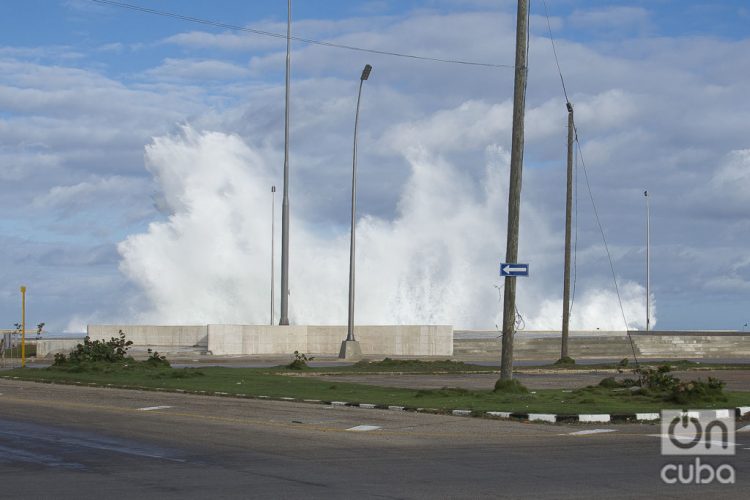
{"x":80,"y":442}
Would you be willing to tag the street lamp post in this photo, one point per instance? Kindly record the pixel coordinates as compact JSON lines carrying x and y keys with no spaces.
{"x":648,"y":263}
{"x":273,"y":254}
{"x":350,"y":350}
{"x":284,"y":319}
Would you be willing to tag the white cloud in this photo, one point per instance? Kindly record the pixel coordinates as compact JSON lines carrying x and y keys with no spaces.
{"x":194,"y":69}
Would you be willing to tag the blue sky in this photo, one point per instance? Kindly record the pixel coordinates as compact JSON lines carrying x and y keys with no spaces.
{"x":103,"y":109}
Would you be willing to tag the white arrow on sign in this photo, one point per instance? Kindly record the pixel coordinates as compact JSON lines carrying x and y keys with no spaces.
{"x":508,"y":270}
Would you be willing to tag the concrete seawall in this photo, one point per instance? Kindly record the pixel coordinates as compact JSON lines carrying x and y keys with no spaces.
{"x":397,"y":340}
{"x":608,"y":345}
{"x":416,"y":341}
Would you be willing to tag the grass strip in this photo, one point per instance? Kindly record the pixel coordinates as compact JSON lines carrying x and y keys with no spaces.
{"x":263,"y":382}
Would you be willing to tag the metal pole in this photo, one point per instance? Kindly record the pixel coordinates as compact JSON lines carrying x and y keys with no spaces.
{"x":23,"y":326}
{"x":514,"y":194}
{"x":350,"y":324}
{"x":284,"y":320}
{"x":648,"y":263}
{"x":568,"y":217}
{"x":273,"y":251}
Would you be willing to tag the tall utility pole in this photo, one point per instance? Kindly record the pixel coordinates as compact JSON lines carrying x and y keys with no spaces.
{"x":568,"y":211}
{"x":284,"y":319}
{"x":352,"y":247}
{"x":273,"y":249}
{"x":648,"y":263}
{"x":23,"y":326}
{"x":514,"y":195}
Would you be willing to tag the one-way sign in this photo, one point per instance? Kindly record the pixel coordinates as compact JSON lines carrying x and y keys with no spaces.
{"x":507,"y":269}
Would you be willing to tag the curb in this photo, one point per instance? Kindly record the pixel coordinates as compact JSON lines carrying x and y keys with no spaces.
{"x":552,"y":418}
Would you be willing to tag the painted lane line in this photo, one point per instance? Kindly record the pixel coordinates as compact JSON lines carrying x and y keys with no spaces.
{"x":364,"y":428}
{"x":150,"y":408}
{"x":590,"y":431}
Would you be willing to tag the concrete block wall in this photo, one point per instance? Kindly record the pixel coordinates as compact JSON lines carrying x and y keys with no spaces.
{"x":154,"y":336}
{"x":256,"y":339}
{"x":399,"y":340}
{"x":50,"y":347}
{"x":610,"y":345}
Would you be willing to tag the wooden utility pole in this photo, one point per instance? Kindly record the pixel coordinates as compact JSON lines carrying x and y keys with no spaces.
{"x":514,"y":194}
{"x":568,"y":210}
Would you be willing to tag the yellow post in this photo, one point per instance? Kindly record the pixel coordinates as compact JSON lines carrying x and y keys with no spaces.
{"x":23,"y":326}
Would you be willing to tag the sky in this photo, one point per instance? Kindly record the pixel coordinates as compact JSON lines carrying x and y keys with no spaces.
{"x":138,"y":151}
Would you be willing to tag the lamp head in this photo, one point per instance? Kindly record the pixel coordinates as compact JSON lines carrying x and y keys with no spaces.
{"x":366,"y":72}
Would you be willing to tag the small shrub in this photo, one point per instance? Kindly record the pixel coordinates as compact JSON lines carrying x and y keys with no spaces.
{"x":659,"y":379}
{"x":610,"y":383}
{"x":698,"y":391}
{"x":512,"y":386}
{"x":300,"y":361}
{"x":565,"y":361}
{"x":623,"y":363}
{"x":155,"y":360}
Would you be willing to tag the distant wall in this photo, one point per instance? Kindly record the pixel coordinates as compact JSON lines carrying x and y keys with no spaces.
{"x":48,"y":347}
{"x":608,"y":345}
{"x":153,"y":335}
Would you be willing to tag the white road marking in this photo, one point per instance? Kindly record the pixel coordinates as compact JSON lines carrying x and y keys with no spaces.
{"x":742,"y":429}
{"x":366,"y":405}
{"x":364,"y":428}
{"x":590,"y":431}
{"x":149,"y":408}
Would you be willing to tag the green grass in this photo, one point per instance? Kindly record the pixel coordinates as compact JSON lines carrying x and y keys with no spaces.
{"x":275,"y":383}
{"x":389,"y":365}
{"x":676,"y":365}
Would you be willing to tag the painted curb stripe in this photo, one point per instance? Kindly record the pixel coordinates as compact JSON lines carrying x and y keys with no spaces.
{"x":542,"y":417}
{"x":499,"y":414}
{"x":601,"y":418}
{"x":461,"y":413}
{"x":647,"y":416}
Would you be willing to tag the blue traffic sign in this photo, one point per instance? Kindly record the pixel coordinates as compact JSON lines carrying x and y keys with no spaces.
{"x":507,"y":269}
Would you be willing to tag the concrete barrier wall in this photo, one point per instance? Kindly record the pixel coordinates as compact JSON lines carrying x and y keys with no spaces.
{"x":406,"y":340}
{"x":610,"y":345}
{"x":50,"y":347}
{"x":256,"y":339}
{"x":153,"y":335}
{"x":396,"y":340}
